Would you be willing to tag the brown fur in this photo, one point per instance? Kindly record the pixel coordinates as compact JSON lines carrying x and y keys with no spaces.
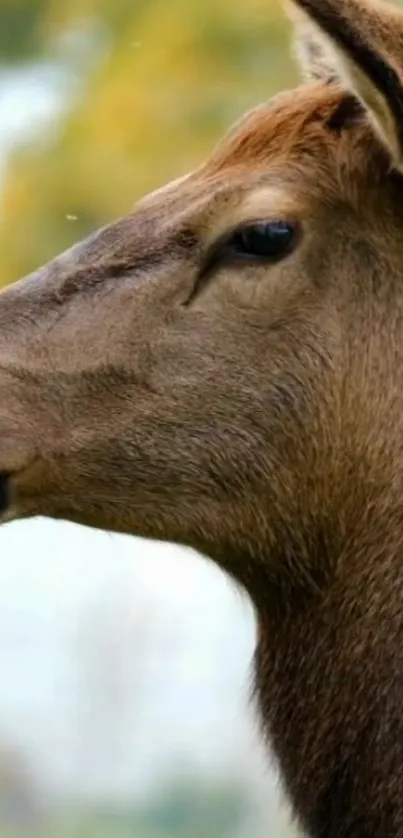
{"x":151,"y":384}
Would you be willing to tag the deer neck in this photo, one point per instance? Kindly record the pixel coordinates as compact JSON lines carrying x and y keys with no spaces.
{"x":329,"y":676}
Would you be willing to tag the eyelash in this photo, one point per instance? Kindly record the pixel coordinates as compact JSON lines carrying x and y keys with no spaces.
{"x":238,"y":246}
{"x":227,"y":247}
{"x":264,"y":240}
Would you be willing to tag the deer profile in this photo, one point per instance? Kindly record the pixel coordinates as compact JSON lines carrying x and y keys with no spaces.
{"x":223,"y":369}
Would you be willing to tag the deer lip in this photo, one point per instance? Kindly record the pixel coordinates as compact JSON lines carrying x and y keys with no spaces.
{"x":5,"y":494}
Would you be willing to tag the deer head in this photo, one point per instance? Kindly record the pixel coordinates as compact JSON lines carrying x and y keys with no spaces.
{"x":208,"y":369}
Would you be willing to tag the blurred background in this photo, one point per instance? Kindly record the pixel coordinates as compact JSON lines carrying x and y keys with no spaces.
{"x":124,"y":665}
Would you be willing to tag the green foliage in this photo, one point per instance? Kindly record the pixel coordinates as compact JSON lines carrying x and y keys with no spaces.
{"x":21,"y":35}
{"x":173,"y":78}
{"x":185,"y":810}
{"x":188,"y":810}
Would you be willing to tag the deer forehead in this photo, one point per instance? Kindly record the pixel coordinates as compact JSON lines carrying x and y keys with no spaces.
{"x":289,"y":124}
{"x":272,"y":164}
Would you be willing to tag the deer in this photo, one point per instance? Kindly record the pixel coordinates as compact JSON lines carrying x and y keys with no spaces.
{"x":223,"y":369}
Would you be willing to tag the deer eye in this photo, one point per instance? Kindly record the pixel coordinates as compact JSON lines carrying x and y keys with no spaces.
{"x":266,"y":240}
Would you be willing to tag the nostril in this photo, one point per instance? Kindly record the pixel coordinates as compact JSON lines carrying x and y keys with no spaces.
{"x":4,"y":492}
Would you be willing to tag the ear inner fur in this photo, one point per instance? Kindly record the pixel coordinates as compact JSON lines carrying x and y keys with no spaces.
{"x":333,"y":46}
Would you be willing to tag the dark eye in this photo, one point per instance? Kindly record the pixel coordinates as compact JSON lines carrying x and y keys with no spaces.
{"x":269,"y":240}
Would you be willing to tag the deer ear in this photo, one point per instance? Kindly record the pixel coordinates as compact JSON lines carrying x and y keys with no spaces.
{"x":360,"y":45}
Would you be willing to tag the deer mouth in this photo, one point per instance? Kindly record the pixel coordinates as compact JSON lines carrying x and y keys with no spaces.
{"x":5,"y":494}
